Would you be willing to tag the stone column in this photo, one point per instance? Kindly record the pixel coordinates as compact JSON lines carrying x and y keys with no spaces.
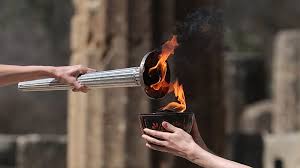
{"x":103,"y":128}
{"x":96,"y":128}
{"x":286,"y":77}
{"x":139,"y":42}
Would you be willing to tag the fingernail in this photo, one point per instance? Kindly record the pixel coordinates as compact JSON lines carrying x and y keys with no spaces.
{"x":165,"y":124}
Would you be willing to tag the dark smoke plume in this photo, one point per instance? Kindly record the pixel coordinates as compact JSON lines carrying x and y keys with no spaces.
{"x":204,"y":23}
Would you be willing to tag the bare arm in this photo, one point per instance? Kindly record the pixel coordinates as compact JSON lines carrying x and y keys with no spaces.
{"x":180,"y":143}
{"x":11,"y":74}
{"x":208,"y":160}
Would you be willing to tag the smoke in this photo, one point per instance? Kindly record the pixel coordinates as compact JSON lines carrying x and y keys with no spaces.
{"x":205,"y":23}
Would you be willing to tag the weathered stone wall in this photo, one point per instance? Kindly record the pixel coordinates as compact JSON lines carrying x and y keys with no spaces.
{"x":33,"y":151}
{"x":8,"y":148}
{"x":41,"y":151}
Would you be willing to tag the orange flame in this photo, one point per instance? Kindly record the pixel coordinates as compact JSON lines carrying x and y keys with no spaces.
{"x":161,"y":66}
{"x":179,"y":93}
{"x":167,"y":50}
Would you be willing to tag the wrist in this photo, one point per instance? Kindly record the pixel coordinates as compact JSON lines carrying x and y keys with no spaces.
{"x":198,"y":155}
{"x":194,"y":152}
{"x":51,"y":71}
{"x":47,"y":71}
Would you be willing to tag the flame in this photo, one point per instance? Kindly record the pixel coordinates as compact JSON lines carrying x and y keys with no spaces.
{"x":179,"y":93}
{"x":161,"y":66}
{"x":167,"y":50}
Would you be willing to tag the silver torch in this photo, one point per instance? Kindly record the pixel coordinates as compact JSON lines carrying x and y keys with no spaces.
{"x":127,"y":77}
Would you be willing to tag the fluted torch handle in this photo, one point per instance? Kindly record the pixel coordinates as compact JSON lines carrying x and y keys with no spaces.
{"x":127,"y":77}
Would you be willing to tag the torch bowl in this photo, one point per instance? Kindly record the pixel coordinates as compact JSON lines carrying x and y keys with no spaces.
{"x":183,"y":120}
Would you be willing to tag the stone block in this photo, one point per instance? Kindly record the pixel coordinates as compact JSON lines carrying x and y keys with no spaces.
{"x":7,"y":150}
{"x":41,"y":151}
{"x":282,"y":150}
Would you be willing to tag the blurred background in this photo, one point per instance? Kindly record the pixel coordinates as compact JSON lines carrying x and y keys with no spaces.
{"x":238,"y":61}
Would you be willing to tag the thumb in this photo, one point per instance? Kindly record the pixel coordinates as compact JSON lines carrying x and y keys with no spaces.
{"x":89,"y":70}
{"x":84,"y":70}
{"x":169,"y":127}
